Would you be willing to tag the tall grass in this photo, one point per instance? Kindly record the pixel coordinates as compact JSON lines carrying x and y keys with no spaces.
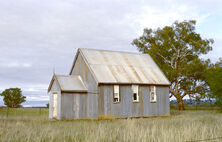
{"x":30,"y":125}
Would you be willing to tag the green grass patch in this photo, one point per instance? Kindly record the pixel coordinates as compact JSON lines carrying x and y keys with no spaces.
{"x":27,"y":124}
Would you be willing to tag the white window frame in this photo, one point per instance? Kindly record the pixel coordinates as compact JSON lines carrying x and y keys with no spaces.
{"x":116,"y":94}
{"x":135,"y":89}
{"x":153,"y":90}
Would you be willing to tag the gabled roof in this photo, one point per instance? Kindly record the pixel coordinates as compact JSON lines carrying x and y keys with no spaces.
{"x":69,"y":83}
{"x":114,"y":67}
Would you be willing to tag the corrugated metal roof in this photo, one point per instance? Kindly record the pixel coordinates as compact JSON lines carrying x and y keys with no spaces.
{"x":123,"y":67}
{"x":71,"y":83}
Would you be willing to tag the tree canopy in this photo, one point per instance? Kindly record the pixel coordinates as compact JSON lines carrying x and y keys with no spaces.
{"x":177,"y":50}
{"x":13,"y":97}
{"x":214,"y":79}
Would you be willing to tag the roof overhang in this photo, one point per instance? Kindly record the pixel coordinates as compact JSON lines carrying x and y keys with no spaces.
{"x":126,"y":83}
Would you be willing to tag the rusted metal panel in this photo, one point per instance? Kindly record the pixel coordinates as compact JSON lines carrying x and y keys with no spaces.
{"x":123,"y":67}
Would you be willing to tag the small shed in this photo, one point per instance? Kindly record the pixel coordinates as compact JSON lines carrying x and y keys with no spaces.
{"x":102,"y":82}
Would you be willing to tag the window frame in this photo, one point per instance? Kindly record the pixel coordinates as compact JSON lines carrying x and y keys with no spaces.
{"x":137,"y":92}
{"x":114,"y":94}
{"x":155,"y":94}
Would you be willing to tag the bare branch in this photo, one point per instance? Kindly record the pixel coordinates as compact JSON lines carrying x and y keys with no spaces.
{"x":165,"y":60}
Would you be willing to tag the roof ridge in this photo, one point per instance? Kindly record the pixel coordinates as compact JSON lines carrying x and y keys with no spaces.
{"x":112,"y":51}
{"x":65,"y":75}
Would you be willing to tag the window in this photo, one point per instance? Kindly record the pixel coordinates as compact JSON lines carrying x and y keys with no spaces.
{"x":152,"y":94}
{"x":116,"y":96}
{"x":135,"y":93}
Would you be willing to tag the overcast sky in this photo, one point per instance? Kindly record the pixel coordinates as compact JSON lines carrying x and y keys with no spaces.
{"x":39,"y":35}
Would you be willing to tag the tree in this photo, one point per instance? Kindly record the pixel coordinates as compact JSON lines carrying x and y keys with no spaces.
{"x":214,"y":79}
{"x":47,"y":105}
{"x":177,"y":50}
{"x":13,"y":97}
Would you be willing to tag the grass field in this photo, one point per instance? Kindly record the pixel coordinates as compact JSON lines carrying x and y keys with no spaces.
{"x":33,"y":125}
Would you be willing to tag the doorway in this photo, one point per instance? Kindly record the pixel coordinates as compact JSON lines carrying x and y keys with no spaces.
{"x":54,"y":104}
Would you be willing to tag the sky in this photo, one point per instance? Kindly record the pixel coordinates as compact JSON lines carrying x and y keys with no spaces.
{"x":37,"y":36}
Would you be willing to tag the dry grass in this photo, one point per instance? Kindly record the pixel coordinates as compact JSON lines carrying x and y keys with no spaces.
{"x":30,"y":125}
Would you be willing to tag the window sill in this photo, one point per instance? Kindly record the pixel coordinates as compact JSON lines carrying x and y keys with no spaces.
{"x":116,"y":102}
{"x":136,"y":101}
{"x":152,"y":101}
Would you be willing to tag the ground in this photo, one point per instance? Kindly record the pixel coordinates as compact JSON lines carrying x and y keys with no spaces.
{"x":33,"y":125}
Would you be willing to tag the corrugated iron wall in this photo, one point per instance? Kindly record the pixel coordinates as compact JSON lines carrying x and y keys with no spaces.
{"x":127,"y":108}
{"x":91,"y":102}
{"x":73,"y":106}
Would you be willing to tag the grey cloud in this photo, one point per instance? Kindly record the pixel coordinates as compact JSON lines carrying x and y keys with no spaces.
{"x":46,"y":34}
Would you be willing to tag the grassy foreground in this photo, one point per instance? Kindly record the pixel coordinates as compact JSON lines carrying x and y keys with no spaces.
{"x":33,"y":125}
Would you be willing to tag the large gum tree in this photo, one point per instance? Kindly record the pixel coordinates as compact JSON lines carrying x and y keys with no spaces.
{"x":177,"y":50}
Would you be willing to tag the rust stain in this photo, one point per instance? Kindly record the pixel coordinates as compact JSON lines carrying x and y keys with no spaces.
{"x":127,"y":76}
{"x":111,"y":68}
{"x":135,"y":72}
{"x":113,"y":73}
{"x":104,"y":57}
{"x":115,"y":58}
{"x":129,"y":65}
{"x":126,"y":60}
{"x":116,"y":67}
{"x":156,"y":76}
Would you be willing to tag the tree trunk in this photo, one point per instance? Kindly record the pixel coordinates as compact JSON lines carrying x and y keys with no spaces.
{"x":180,"y":103}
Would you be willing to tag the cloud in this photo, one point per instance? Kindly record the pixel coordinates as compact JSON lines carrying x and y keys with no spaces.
{"x":15,"y":65}
{"x":37,"y":36}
